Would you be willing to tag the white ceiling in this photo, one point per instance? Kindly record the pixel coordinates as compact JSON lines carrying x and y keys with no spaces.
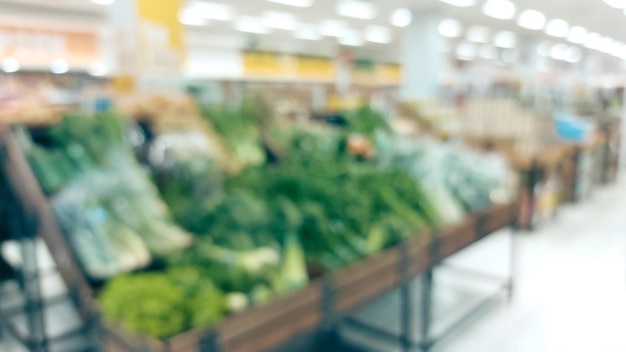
{"x":594,"y":15}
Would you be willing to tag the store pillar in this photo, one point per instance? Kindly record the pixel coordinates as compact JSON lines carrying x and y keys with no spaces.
{"x":422,"y":57}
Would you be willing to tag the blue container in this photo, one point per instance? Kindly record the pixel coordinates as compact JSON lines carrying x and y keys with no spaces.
{"x":571,"y":128}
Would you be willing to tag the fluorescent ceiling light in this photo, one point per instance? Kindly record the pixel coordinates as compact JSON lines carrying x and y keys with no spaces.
{"x":191,"y":18}
{"x":544,"y":48}
{"x":478,"y":34}
{"x":450,"y":28}
{"x":592,"y":40}
{"x":605,"y":45}
{"x":532,"y":19}
{"x":251,"y":24}
{"x":211,"y":10}
{"x":280,"y":20}
{"x":509,"y":56}
{"x":333,"y":28}
{"x":466,"y":51}
{"x":351,"y":37}
{"x":59,"y":66}
{"x":10,"y":65}
{"x":618,"y":4}
{"x":573,"y":54}
{"x":97,"y":69}
{"x":558,"y":51}
{"x":296,"y":3}
{"x":500,"y":9}
{"x":622,"y":53}
{"x":360,"y":9}
{"x":308,"y":32}
{"x":401,"y":17}
{"x":103,"y":2}
{"x":377,"y":34}
{"x":460,"y":3}
{"x":487,"y":52}
{"x":577,"y":35}
{"x":505,"y":39}
{"x":557,"y":28}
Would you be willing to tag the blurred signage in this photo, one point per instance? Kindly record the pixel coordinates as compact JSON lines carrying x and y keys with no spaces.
{"x":389,"y":74}
{"x":161,"y":46}
{"x":268,"y":65}
{"x":315,"y":68}
{"x":363,"y":72}
{"x":36,"y":47}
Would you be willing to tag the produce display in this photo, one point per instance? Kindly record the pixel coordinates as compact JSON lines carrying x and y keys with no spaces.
{"x":305,"y":199}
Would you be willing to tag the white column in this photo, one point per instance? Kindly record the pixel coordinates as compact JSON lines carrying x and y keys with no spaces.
{"x":422,"y":58}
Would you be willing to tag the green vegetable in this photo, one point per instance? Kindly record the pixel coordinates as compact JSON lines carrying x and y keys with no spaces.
{"x":292,"y":274}
{"x":145,"y":303}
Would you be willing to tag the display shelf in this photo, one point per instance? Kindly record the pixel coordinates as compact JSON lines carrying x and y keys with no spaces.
{"x":317,"y":307}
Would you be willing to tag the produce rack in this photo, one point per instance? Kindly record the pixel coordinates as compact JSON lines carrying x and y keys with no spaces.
{"x":290,"y":322}
{"x":30,"y":218}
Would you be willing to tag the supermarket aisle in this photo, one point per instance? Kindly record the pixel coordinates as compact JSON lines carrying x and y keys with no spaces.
{"x":571,"y":293}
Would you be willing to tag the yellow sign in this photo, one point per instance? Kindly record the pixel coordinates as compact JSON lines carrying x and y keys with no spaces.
{"x":161,"y":36}
{"x":389,"y":74}
{"x":264,"y":65}
{"x":269,"y":65}
{"x":123,"y":84}
{"x":315,"y":68}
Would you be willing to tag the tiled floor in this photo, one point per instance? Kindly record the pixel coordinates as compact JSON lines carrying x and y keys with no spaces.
{"x":570,"y":293}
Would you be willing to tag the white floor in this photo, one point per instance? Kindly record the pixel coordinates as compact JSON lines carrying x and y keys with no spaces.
{"x":570,"y":293}
{"x":571,"y":287}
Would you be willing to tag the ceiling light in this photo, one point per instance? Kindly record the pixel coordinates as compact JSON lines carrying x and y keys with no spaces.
{"x":308,"y":32}
{"x":500,"y":9}
{"x":577,"y":35}
{"x":211,"y":10}
{"x":460,"y":3}
{"x":360,"y":9}
{"x":532,"y":19}
{"x":544,"y":48}
{"x":351,"y":38}
{"x":103,"y":2}
{"x":487,"y":52}
{"x":296,"y":3}
{"x":333,"y":28}
{"x":377,"y":34}
{"x":573,"y":54}
{"x":478,"y":34}
{"x":251,"y":24}
{"x":557,"y":28}
{"x":97,"y":69}
{"x":466,"y":51}
{"x":622,"y":53}
{"x":401,"y":18}
{"x":59,"y":66}
{"x":592,"y":40}
{"x":10,"y":65}
{"x":558,"y":51}
{"x":280,"y":20}
{"x":618,"y":4}
{"x":505,"y":39}
{"x":605,"y":45}
{"x":191,"y":18}
{"x":450,"y":28}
